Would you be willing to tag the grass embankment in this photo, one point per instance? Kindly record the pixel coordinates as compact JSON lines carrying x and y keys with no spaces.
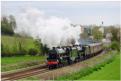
{"x":105,"y":69}
{"x":13,"y":63}
{"x":109,"y":72}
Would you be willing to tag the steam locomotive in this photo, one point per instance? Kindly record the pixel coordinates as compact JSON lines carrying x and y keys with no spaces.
{"x":66,"y":55}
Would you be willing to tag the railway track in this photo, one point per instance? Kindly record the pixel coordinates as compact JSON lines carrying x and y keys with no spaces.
{"x":23,"y":74}
{"x":27,"y":73}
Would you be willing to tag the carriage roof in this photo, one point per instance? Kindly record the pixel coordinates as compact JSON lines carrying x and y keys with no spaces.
{"x":94,"y":44}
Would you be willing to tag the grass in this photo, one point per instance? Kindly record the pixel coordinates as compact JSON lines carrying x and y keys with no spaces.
{"x":109,"y":72}
{"x":12,"y":63}
{"x":30,"y":78}
{"x":105,"y":69}
{"x":20,"y":59}
{"x":12,"y":42}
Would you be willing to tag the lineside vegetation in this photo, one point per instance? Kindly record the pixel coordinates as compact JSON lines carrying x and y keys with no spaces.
{"x":100,"y":71}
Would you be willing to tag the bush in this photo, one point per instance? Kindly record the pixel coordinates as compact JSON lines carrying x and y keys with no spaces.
{"x":33,"y":52}
{"x":115,"y":46}
{"x":5,"y":52}
{"x":8,"y":52}
{"x":21,"y":52}
{"x":43,"y":49}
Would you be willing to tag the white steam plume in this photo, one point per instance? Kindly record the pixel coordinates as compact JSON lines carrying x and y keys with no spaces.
{"x":52,"y":30}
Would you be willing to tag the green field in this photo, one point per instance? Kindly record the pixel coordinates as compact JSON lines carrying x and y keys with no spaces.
{"x":11,"y":42}
{"x":20,"y":59}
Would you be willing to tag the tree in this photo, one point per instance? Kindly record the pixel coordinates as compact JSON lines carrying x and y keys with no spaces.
{"x":33,"y":52}
{"x":21,"y":51}
{"x":43,"y":49}
{"x":115,"y":33}
{"x":2,"y":50}
{"x":98,"y":35}
{"x":7,"y":25}
{"x":115,"y":46}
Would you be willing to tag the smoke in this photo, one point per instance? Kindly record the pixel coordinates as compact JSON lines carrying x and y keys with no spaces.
{"x":52,"y":30}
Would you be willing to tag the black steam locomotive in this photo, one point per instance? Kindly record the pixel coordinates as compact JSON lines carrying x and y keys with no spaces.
{"x":66,"y":55}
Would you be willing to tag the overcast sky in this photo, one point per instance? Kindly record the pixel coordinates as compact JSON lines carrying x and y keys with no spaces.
{"x":84,"y":13}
